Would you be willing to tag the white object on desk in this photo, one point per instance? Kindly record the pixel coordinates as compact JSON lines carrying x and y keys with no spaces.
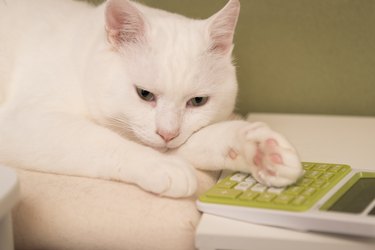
{"x":334,"y":139}
{"x":9,"y":195}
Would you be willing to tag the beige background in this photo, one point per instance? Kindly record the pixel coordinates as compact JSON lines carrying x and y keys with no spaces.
{"x":299,"y":56}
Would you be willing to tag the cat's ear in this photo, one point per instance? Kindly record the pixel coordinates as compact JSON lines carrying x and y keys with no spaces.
{"x":124,"y":23}
{"x":222,"y":26}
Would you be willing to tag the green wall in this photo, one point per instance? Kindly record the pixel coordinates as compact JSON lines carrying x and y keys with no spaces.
{"x":299,"y":56}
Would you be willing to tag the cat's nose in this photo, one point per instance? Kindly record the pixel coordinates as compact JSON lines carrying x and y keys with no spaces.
{"x":167,"y":135}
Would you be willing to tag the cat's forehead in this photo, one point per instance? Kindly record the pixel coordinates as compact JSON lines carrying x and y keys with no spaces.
{"x":175,"y":54}
{"x":179,"y":37}
{"x":174,"y":79}
{"x":176,"y":60}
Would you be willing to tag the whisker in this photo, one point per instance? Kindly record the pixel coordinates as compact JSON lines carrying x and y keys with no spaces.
{"x":119,"y":124}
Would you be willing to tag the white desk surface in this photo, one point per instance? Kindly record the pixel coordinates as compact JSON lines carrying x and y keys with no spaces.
{"x":331,"y":139}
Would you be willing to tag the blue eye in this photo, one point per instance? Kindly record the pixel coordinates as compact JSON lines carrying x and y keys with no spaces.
{"x":145,"y":95}
{"x":197,"y":101}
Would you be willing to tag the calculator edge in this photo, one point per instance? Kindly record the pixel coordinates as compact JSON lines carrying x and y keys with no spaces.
{"x":312,"y":219}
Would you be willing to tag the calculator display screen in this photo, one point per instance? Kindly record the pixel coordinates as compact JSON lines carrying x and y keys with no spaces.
{"x":357,"y":198}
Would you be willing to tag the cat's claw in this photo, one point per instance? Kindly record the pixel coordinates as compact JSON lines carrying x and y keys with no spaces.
{"x":270,"y":158}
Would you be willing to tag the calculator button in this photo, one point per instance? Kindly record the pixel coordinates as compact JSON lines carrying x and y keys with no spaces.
{"x":284,"y":199}
{"x":309,"y":191}
{"x":242,"y":189}
{"x":327,"y":176}
{"x":307,"y":165}
{"x":344,"y":169}
{"x":319,"y":183}
{"x":259,"y":188}
{"x":248,"y":195}
{"x":321,"y":167}
{"x":223,"y":193}
{"x":266,"y":197}
{"x":294,"y":190}
{"x":299,"y":200}
{"x":305,"y":182}
{"x":251,"y":180}
{"x":313,"y":174}
{"x":274,"y":190}
{"x":324,"y":186}
{"x":226,"y":184}
{"x":243,"y":186}
{"x":239,"y":177}
{"x":335,"y":168}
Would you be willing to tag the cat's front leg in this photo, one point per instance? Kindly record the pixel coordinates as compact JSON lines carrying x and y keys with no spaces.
{"x":247,"y":147}
{"x":66,"y":144}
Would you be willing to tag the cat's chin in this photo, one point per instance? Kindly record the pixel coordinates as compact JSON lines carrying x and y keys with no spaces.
{"x":159,"y":146}
{"x":163,"y":147}
{"x":166,"y":147}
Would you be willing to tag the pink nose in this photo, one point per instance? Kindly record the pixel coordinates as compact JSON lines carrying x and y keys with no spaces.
{"x":167,"y":135}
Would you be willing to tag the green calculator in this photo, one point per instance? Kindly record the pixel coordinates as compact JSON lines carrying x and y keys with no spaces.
{"x":328,"y":198}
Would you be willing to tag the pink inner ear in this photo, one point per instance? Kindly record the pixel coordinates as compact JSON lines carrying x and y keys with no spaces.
{"x":221,"y":44}
{"x":124,"y":23}
{"x":223,"y":26}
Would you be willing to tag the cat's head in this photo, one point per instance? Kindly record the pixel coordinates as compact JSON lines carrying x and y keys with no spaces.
{"x":159,"y":77}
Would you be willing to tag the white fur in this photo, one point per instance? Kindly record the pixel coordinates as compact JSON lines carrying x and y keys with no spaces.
{"x":67,"y":91}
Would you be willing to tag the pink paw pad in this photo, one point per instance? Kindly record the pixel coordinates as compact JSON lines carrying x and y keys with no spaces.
{"x":272,"y":155}
{"x":276,"y":158}
{"x":270,"y":172}
{"x":272,"y":143}
{"x":232,"y":154}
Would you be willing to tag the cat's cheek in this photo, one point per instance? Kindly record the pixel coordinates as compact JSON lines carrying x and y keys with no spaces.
{"x":174,"y":144}
{"x":151,"y":141}
{"x":158,"y":146}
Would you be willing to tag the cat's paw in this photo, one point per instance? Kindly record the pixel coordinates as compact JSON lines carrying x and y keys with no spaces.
{"x":266,"y":154}
{"x":170,"y":176}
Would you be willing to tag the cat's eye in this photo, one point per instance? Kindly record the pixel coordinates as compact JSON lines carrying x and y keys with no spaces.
{"x":145,"y":95}
{"x":197,"y":101}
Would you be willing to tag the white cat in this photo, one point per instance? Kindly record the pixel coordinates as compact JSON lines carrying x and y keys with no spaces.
{"x":129,"y":93}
